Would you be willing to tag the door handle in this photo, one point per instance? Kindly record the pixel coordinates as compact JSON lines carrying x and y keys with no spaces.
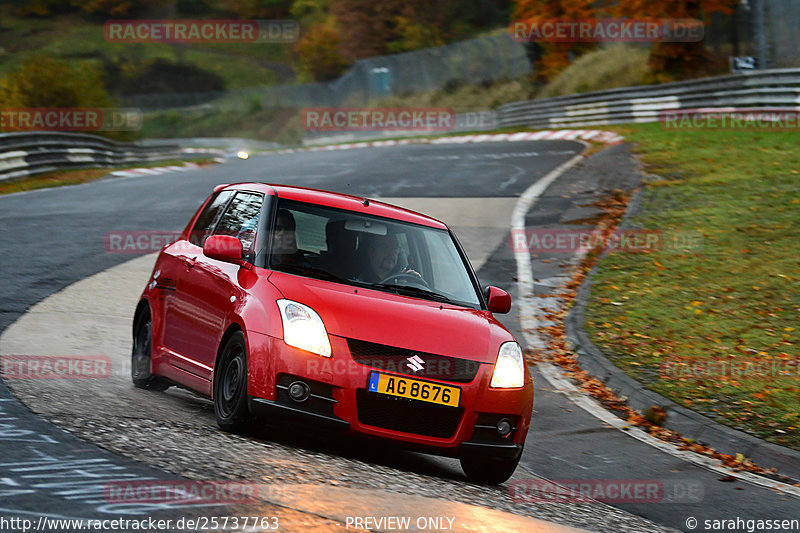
{"x":189,"y":262}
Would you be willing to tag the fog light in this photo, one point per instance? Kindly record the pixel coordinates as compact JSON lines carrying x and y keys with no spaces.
{"x":299,"y":391}
{"x":503,"y":427}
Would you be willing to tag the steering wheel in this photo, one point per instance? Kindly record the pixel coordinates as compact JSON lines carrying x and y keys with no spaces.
{"x":410,"y":279}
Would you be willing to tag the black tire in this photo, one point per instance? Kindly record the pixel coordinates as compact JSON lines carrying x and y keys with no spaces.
{"x":141,"y":374}
{"x":489,"y":470}
{"x":230,"y":386}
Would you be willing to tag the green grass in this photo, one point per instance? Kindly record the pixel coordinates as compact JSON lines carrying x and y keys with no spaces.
{"x":606,"y":68}
{"x":464,"y":98}
{"x":734,"y":298}
{"x":276,"y":125}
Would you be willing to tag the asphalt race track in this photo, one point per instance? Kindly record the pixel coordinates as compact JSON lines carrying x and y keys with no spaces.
{"x":55,"y":238}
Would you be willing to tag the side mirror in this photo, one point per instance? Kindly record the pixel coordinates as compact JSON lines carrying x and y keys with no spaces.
{"x":498,"y":300}
{"x":223,"y":248}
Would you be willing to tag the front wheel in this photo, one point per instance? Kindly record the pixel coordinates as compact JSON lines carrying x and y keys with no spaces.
{"x":230,"y":386}
{"x":490,"y":470}
{"x":141,"y":375}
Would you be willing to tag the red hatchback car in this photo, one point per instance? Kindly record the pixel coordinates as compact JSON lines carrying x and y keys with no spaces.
{"x":341,"y":311}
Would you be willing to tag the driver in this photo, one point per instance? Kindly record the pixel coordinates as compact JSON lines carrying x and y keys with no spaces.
{"x":382,"y":258}
{"x":284,"y":242}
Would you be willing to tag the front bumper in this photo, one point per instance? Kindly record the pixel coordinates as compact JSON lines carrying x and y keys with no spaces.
{"x":340,"y":401}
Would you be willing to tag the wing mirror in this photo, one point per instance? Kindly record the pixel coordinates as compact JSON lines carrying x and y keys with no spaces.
{"x":498,"y":300}
{"x":223,"y":248}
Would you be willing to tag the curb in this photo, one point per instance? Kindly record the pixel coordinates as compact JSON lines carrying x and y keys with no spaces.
{"x":151,"y":171}
{"x":688,"y":423}
{"x":601,"y":136}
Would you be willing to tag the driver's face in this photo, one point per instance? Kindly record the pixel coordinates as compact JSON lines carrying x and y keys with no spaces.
{"x":383,"y":256}
{"x":285,"y":242}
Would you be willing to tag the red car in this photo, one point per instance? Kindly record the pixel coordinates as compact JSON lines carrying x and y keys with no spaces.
{"x":341,"y":311}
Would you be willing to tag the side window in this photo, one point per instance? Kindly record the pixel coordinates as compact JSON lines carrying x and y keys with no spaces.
{"x":205,"y":222}
{"x":241,"y":220}
{"x":451,"y":281}
{"x":310,"y":232}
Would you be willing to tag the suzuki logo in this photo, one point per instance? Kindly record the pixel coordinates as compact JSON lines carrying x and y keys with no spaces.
{"x":415,"y":363}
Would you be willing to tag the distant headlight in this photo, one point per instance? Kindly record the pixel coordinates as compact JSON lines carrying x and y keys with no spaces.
{"x":303,"y":328}
{"x":242,"y":155}
{"x":509,"y":372}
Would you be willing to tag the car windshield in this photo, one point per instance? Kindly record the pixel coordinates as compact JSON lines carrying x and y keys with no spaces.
{"x":373,"y":252}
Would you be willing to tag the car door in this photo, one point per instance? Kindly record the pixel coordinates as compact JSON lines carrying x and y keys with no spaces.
{"x":177,"y":262}
{"x":210,"y":288}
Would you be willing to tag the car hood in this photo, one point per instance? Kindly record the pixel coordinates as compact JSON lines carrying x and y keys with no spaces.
{"x":394,"y":320}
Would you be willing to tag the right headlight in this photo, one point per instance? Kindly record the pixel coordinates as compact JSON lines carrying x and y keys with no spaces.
{"x":303,"y":328}
{"x":509,"y":371}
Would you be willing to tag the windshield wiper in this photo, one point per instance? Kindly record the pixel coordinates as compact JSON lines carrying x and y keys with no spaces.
{"x":408,"y":290}
{"x":310,"y":271}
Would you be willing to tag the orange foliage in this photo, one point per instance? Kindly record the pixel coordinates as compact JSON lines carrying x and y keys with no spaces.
{"x":665,"y":58}
{"x":555,"y":57}
{"x":318,"y":53}
{"x":681,"y":59}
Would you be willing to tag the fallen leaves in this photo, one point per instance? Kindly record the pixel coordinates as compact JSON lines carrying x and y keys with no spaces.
{"x":559,"y":353}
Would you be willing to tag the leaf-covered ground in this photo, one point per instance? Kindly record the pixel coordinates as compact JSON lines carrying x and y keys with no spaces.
{"x":710,"y":319}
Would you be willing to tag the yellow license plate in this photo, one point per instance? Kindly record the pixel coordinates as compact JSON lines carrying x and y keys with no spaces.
{"x":414,"y":389}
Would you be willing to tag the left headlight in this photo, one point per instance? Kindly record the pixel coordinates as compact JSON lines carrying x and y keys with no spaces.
{"x":303,"y":328}
{"x":509,"y":372}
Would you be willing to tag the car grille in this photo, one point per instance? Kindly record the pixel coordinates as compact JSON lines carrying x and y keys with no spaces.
{"x":408,"y":416}
{"x":382,"y":357}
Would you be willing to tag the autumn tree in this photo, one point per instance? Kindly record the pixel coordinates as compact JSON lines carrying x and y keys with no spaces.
{"x":318,"y":53}
{"x":44,"y":82}
{"x":311,"y":12}
{"x":103,"y":8}
{"x":551,"y":58}
{"x":257,"y":9}
{"x":675,"y":59}
{"x":377,"y":27}
{"x":368,"y":24}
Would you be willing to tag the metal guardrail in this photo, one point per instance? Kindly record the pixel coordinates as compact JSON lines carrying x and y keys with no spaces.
{"x":779,"y":88}
{"x":768,"y":88}
{"x":473,"y":121}
{"x":29,"y":153}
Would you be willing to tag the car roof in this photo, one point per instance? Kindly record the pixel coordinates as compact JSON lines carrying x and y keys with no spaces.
{"x":339,"y":201}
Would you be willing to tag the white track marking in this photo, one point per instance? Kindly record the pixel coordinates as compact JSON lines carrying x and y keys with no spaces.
{"x":529,"y":320}
{"x":527,"y":308}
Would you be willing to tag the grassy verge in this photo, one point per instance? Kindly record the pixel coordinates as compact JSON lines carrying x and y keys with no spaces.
{"x":75,"y":177}
{"x":276,"y":125}
{"x":675,"y":315}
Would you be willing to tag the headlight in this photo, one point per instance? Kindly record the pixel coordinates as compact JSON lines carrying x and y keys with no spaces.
{"x":509,"y":372}
{"x":303,"y":328}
